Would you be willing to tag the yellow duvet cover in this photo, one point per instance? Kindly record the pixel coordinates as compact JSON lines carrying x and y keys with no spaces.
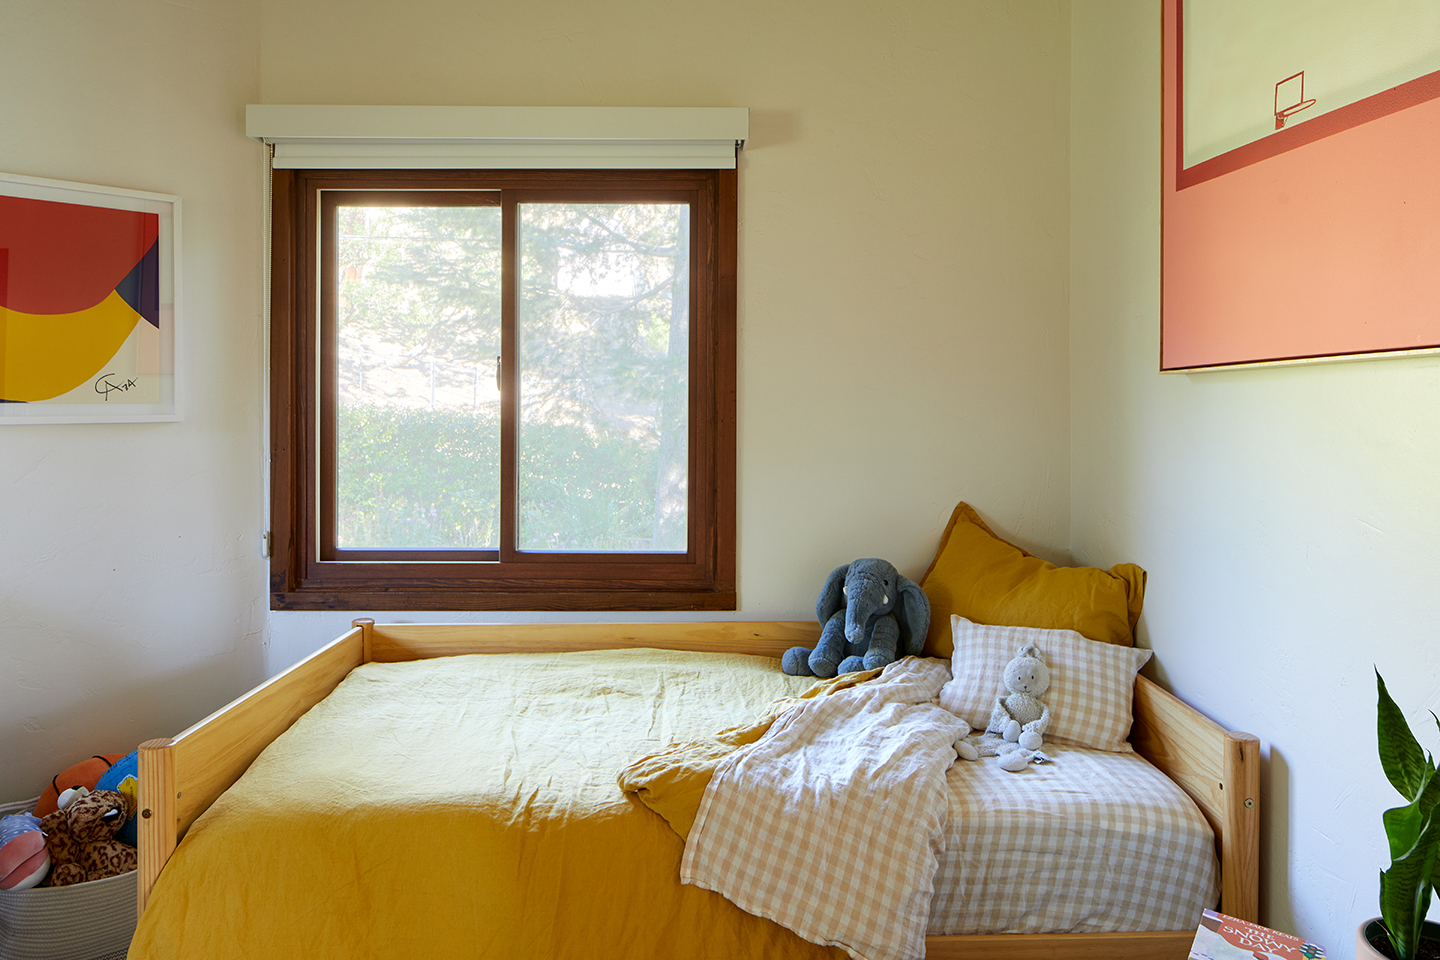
{"x":467,"y":807}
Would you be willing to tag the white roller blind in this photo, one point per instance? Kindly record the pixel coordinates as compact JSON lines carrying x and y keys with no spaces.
{"x":360,"y":137}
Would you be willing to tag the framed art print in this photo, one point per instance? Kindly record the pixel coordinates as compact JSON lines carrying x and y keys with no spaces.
{"x":89,"y":282}
{"x":1300,"y":206}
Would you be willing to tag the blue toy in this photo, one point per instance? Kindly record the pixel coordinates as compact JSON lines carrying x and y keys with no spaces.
{"x":124,"y":777}
{"x":871,"y":616}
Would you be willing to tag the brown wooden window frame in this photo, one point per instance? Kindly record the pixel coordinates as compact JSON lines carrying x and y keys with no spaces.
{"x":307,"y":572}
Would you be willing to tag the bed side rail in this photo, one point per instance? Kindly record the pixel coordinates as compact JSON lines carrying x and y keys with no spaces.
{"x":1161,"y":945}
{"x":180,"y":777}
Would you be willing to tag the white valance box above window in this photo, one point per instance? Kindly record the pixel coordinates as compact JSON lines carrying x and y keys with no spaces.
{"x":308,"y":137}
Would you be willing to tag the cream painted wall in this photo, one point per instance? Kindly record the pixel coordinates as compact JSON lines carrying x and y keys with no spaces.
{"x":903,"y":344}
{"x":1287,"y":516}
{"x":131,"y":586}
{"x":903,"y":241}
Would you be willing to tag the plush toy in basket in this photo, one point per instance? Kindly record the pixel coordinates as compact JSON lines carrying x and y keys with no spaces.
{"x":1019,"y":720}
{"x":124,"y":777}
{"x":870,"y":616}
{"x":90,"y":920}
{"x":80,"y":837}
{"x":27,"y":854}
{"x":86,"y":773}
{"x":24,"y":859}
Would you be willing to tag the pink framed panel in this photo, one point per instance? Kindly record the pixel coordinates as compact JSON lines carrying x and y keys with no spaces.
{"x":1319,"y":241}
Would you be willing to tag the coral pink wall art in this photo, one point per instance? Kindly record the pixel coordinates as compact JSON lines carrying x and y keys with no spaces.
{"x":1300,"y":196}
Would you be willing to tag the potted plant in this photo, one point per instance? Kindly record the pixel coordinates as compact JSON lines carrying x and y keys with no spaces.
{"x":1401,"y":932}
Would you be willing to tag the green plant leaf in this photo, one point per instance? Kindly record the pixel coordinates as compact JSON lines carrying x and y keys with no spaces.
{"x":1404,"y":763}
{"x":1402,"y":828}
{"x":1405,"y":891}
{"x":1430,"y":789}
{"x":1403,"y":824}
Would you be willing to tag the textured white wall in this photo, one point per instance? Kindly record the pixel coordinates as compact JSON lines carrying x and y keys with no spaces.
{"x":903,"y":341}
{"x":131,"y":587}
{"x":1287,"y":516}
{"x":903,"y":241}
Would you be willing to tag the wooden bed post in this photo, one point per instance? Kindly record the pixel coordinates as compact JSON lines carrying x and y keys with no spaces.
{"x":157,"y":830}
{"x":366,"y":626}
{"x":1240,"y":844}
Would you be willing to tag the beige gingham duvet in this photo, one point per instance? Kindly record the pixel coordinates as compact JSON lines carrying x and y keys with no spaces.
{"x":849,"y":824}
{"x":1095,"y":842}
{"x":830,"y":824}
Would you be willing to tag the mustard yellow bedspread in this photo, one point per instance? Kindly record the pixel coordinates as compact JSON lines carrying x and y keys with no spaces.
{"x":468,"y":807}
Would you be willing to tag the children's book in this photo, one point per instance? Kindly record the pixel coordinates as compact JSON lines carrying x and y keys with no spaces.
{"x":1226,"y":938}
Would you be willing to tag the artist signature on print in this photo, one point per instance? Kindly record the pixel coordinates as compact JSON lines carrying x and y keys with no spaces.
{"x":109,"y":383}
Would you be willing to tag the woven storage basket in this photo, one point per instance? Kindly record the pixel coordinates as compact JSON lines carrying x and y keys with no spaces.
{"x":84,"y":921}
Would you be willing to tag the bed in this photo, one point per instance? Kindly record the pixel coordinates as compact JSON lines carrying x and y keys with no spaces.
{"x":182,"y":777}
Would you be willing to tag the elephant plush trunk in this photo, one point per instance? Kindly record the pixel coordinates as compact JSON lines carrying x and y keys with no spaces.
{"x":854,"y":622}
{"x":866,"y":599}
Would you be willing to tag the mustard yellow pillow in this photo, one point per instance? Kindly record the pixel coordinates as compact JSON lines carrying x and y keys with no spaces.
{"x":984,"y":579}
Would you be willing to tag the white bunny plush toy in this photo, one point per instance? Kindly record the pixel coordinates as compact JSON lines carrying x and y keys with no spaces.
{"x":1019,"y":720}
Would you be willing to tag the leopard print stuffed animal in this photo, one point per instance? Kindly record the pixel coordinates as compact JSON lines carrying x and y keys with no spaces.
{"x":81,"y":839}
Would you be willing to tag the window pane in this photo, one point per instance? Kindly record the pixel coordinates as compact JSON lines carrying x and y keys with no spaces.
{"x":418,"y":412}
{"x":604,"y":331}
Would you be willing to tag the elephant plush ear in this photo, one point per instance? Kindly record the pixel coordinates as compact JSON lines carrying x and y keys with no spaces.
{"x":832,"y":596}
{"x":913,"y":613}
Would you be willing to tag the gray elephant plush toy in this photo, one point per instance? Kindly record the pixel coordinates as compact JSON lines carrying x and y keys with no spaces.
{"x":870,"y":615}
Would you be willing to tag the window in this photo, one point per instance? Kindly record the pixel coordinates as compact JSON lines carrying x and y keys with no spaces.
{"x":503,"y":390}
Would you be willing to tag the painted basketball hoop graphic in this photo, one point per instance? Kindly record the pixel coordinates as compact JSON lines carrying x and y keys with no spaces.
{"x":1291,"y":93}
{"x":1316,"y":239}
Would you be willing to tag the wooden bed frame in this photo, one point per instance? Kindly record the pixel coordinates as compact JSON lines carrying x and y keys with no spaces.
{"x":180,"y":777}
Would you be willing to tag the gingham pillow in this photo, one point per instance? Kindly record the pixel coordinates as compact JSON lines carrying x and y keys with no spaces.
{"x":1091,"y":683}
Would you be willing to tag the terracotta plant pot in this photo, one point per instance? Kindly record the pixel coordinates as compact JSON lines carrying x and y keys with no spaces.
{"x":1363,"y":950}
